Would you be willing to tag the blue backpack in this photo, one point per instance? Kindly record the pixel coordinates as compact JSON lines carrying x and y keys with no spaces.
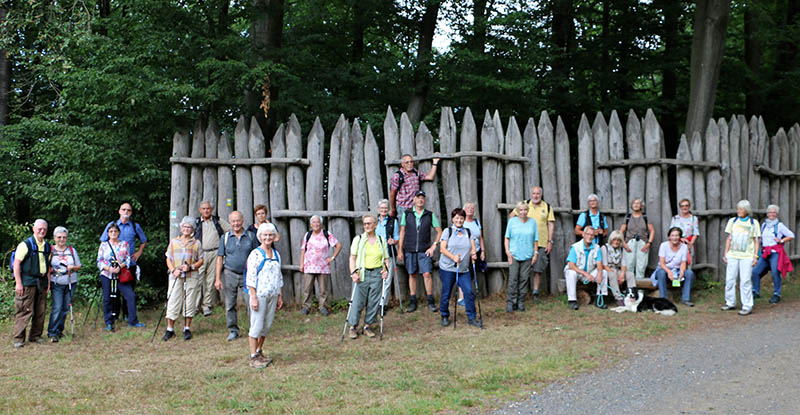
{"x":275,"y":254}
{"x":32,"y":249}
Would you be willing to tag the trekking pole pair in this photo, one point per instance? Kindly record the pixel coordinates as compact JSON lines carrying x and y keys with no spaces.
{"x":350,"y":306}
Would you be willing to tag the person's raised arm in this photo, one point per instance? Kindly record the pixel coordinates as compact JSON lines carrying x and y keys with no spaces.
{"x":431,"y":174}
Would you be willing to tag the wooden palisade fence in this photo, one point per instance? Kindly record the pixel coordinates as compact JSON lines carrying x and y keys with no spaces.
{"x":492,"y":166}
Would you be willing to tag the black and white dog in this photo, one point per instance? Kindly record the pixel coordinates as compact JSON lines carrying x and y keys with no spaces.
{"x":638,"y":302}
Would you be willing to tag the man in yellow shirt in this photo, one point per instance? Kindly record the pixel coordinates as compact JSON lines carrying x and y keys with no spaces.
{"x":542,"y":213}
{"x":31,"y":284}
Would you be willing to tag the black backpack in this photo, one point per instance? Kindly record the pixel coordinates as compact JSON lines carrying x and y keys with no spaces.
{"x":628,"y":218}
{"x":308,"y":236}
{"x":402,"y":178}
{"x":198,"y":226}
{"x":549,"y":209}
{"x":600,"y":238}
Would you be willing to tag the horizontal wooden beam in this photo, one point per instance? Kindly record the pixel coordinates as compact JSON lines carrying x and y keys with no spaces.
{"x":724,"y":212}
{"x":772,"y":172}
{"x":322,"y":213}
{"x":238,"y":162}
{"x":556,"y":209}
{"x":647,"y":162}
{"x":460,"y":154}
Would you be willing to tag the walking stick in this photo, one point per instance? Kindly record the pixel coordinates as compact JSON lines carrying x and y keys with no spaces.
{"x":353,"y":294}
{"x":164,"y":311}
{"x":477,"y":294}
{"x":455,"y":301}
{"x":384,"y":287}
{"x":71,"y":317}
{"x":396,"y":279}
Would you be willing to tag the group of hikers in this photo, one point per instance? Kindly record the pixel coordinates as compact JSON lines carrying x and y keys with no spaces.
{"x":213,"y":257}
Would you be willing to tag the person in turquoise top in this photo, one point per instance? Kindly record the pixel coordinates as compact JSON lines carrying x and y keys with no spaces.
{"x":585,"y":261}
{"x":522,"y":249}
{"x":596,"y":220}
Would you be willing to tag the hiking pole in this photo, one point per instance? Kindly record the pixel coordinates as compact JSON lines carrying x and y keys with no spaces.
{"x":350,"y":305}
{"x":164,"y":311}
{"x":384,"y":287}
{"x":183,"y":275}
{"x":396,"y":279}
{"x":455,"y":302}
{"x":477,"y":294}
{"x":71,"y":317}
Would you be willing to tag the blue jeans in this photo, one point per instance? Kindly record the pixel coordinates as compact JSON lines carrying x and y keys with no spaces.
{"x":62,"y":298}
{"x":761,"y":268}
{"x":127,"y":293}
{"x":686,"y":285}
{"x":465,"y":282}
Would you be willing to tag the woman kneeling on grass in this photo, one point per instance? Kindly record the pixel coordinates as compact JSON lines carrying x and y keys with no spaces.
{"x":264,"y":282}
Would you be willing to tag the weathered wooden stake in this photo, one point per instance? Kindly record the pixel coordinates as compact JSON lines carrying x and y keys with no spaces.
{"x":179,"y":187}
{"x":244,"y":180}
{"x":196,"y":183}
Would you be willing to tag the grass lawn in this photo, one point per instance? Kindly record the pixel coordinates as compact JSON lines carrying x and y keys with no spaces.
{"x":418,"y":368}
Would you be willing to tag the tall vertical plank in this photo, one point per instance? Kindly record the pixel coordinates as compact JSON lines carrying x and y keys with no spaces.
{"x":744,"y":154}
{"x":179,"y":186}
{"x":652,"y":149}
{"x":224,"y":177}
{"x":564,"y":235}
{"x":424,"y":145}
{"x":196,"y":181}
{"x":754,"y":179}
{"x":585,"y":163}
{"x":469,"y":165}
{"x":699,"y":201}
{"x":774,"y":161}
{"x":372,"y":164}
{"x":391,"y":145}
{"x":244,"y":180}
{"x":531,"y":150}
{"x":315,"y":173}
{"x":785,"y":165}
{"x":338,"y":197}
{"x":257,"y":147}
{"x":633,"y":139}
{"x":448,"y":169}
{"x":764,"y":143}
{"x":550,"y":188}
{"x":210,"y":172}
{"x":492,"y":221}
{"x":735,"y":131}
{"x":514,"y":178}
{"x":684,"y":182}
{"x":616,"y":151}
{"x":277,"y":201}
{"x":713,"y":196}
{"x":794,"y":136}
{"x":406,"y":135}
{"x":725,"y":163}
{"x":295,"y":194}
{"x":602,"y":177}
{"x":359,"y":172}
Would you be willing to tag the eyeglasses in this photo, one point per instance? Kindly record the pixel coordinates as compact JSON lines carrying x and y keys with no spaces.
{"x":684,"y":205}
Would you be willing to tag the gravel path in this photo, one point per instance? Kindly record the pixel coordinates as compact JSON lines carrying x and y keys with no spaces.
{"x":748,"y":368}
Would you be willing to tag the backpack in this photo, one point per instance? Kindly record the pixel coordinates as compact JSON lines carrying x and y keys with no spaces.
{"x":600,"y":238}
{"x":32,"y":248}
{"x":549,"y":209}
{"x":308,"y":236}
{"x":198,"y":226}
{"x":774,"y":228}
{"x":628,"y":218}
{"x":275,"y":255}
{"x":450,"y":233}
{"x":402,"y":178}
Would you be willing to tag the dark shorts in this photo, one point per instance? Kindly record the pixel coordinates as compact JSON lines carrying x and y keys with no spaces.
{"x":542,"y":262}
{"x":418,"y":263}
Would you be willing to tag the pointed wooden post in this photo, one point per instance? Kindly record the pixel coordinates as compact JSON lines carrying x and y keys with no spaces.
{"x":786,"y":203}
{"x":179,"y":186}
{"x":277,"y":201}
{"x":224,"y":177}
{"x":550,"y":192}
{"x":372,"y":164}
{"x":448,"y":169}
{"x":531,"y":149}
{"x":469,"y":165}
{"x":754,"y":179}
{"x":338,"y":199}
{"x":244,"y":180}
{"x":359,"y":172}
{"x":774,"y":181}
{"x":564,"y":234}
{"x":210,"y":172}
{"x":424,"y":147}
{"x":406,"y":136}
{"x":633,"y":139}
{"x":725,"y":163}
{"x":713,"y":195}
{"x":602,"y":177}
{"x":585,"y":164}
{"x":196,"y":182}
{"x":699,"y":201}
{"x":653,"y":203}
{"x":616,"y":151}
{"x":735,"y":163}
{"x":257,"y":147}
{"x":764,"y":143}
{"x":391,"y":145}
{"x":514,"y":179}
{"x":295,"y":193}
{"x":492,"y":221}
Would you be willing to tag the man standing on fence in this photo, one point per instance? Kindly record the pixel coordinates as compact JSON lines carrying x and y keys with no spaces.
{"x":542,"y":213}
{"x":234,"y":248}
{"x":405,"y":184}
{"x":416,"y":248}
{"x":208,"y":229}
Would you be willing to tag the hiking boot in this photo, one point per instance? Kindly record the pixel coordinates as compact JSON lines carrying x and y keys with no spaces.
{"x":324,"y":311}
{"x":368,"y":332}
{"x":54,"y":339}
{"x":744,"y":312}
{"x":206,"y":312}
{"x":264,"y":359}
{"x":432,"y":307}
{"x":573,"y":305}
{"x":727,"y":307}
{"x":353,"y":334}
{"x":109,"y":327}
{"x":509,"y":308}
{"x":535,"y":297}
{"x":232,"y":336}
{"x":687,"y":303}
{"x":775,"y":299}
{"x":19,"y":345}
{"x":412,"y":307}
{"x":136,"y":325}
{"x":520,"y":307}
{"x":187,"y":334}
{"x":256,"y":362}
{"x":756,"y":295}
{"x":168,"y":335}
{"x":445,"y":321}
{"x":305,"y":311}
{"x":475,"y":323}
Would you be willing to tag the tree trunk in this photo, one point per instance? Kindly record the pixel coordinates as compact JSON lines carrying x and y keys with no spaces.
{"x":423,"y":61}
{"x":5,"y":77}
{"x":480,"y":18}
{"x":752,"y":58}
{"x":357,"y":52}
{"x":708,"y":44}
{"x":265,"y":36}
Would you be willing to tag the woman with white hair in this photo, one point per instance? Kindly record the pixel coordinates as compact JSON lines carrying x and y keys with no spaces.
{"x":773,"y":256}
{"x":63,"y":278}
{"x":594,"y":218}
{"x":741,"y":254}
{"x":315,"y":260}
{"x":184,"y":257}
{"x":388,"y":228}
{"x":521,"y":243}
{"x":639,"y":234}
{"x":264,"y":282}
{"x":615,"y":268}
